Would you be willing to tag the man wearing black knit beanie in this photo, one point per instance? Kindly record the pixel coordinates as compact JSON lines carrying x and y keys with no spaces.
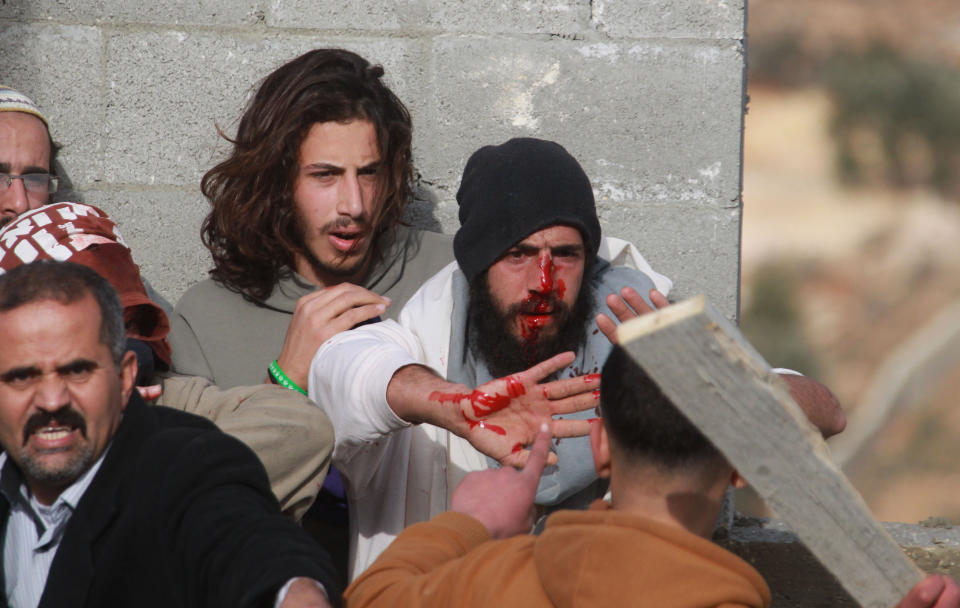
{"x":534,"y":281}
{"x":512,"y":190}
{"x":529,"y":235}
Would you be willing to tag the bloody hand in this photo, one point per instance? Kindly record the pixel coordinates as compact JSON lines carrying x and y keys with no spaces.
{"x":504,"y":415}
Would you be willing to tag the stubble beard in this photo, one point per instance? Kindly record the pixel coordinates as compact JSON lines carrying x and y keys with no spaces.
{"x":345,"y":270}
{"x":340,"y":272}
{"x":35,"y":468}
{"x":33,"y":463}
{"x":492,"y":341}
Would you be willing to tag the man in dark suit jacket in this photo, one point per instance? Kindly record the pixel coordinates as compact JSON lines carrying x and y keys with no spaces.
{"x":105,"y":501}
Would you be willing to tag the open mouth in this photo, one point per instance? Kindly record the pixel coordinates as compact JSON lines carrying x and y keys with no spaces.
{"x":53,"y":433}
{"x":536,"y":320}
{"x":538,"y":307}
{"x":54,"y":438}
{"x":544,"y":308}
{"x":346,"y":240}
{"x":55,"y":428}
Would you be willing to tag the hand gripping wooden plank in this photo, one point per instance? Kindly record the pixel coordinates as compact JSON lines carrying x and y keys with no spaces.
{"x":712,"y":374}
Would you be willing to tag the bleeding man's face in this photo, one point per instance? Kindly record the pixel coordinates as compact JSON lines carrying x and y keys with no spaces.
{"x":535,"y":284}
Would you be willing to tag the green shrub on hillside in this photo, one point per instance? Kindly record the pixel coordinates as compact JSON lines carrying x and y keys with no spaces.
{"x":909,"y":110}
{"x":896,"y":118}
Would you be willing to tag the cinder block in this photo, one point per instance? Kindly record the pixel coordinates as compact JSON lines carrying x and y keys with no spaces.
{"x":438,"y":216}
{"x":163,"y":231}
{"x":697,"y":248}
{"x":795,"y":577}
{"x":798,"y":580}
{"x":933,"y":546}
{"x":428,"y":211}
{"x":59,"y":68}
{"x":558,"y":17}
{"x":171,"y":12}
{"x":368,"y":15}
{"x":702,"y":19}
{"x":486,"y":16}
{"x":662,"y":115}
{"x":168,"y":90}
{"x":447,"y":212}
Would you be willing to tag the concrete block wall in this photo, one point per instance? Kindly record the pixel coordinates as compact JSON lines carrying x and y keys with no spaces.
{"x":648,"y":94}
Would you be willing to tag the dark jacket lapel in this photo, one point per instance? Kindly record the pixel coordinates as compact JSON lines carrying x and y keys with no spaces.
{"x":73,"y":567}
{"x":4,"y":514}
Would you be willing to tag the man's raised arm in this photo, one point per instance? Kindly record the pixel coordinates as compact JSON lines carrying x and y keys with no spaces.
{"x":500,"y":418}
{"x":371,"y":383}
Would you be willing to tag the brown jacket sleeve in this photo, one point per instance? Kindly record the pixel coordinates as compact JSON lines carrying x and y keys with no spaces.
{"x":291,"y":436}
{"x":422,"y":567}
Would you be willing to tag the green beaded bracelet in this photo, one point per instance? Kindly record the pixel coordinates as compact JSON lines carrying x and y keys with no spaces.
{"x":281,"y":378}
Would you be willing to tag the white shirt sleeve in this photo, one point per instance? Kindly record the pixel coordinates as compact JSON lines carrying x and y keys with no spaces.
{"x":348,"y":380}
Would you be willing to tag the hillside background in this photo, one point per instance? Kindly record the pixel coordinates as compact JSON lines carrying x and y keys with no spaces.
{"x":851,"y":225}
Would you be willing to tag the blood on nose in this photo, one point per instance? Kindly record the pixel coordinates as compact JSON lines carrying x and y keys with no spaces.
{"x":546,"y":273}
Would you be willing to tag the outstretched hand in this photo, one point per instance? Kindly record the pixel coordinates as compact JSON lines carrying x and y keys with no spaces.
{"x":934,"y":591}
{"x":502,"y":499}
{"x":504,"y":415}
{"x":629,"y":304}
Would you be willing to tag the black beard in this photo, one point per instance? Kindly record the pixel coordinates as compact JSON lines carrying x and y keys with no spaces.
{"x":492,"y":342}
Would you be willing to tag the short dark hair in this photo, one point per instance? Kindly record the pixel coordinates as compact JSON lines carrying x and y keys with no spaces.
{"x":644,"y":423}
{"x":66,"y":283}
{"x":252,"y":231}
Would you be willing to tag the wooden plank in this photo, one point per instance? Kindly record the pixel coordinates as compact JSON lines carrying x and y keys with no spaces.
{"x":706,"y":367}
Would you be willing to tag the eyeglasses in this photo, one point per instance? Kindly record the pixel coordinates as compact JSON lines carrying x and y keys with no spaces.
{"x":37,"y":183}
